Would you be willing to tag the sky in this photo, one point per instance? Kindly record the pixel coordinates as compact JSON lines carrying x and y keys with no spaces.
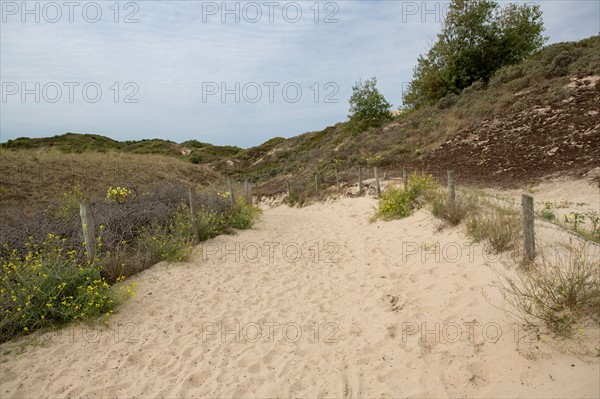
{"x":227,"y":73}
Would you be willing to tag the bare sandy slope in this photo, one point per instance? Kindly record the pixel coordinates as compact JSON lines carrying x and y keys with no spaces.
{"x":363,"y":310}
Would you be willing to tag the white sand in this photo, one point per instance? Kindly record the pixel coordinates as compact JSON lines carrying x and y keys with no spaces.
{"x":390,"y":321}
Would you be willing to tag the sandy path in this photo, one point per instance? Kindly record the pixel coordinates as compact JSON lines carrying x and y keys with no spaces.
{"x":378,"y":323}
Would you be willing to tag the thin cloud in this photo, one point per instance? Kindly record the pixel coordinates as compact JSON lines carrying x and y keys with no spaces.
{"x":171,"y":54}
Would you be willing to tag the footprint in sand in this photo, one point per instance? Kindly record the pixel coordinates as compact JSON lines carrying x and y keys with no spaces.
{"x":197,"y":378}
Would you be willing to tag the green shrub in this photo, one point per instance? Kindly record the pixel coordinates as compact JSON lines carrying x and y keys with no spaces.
{"x":295,"y":197}
{"x":196,"y":158}
{"x":242,"y":217}
{"x":448,"y":101}
{"x":547,"y":213}
{"x":50,"y":286}
{"x":558,"y":63}
{"x":506,"y":74}
{"x":519,"y":84}
{"x":396,"y":203}
{"x":211,"y":222}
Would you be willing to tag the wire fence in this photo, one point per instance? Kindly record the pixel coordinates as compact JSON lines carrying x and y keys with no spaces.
{"x":115,"y":226}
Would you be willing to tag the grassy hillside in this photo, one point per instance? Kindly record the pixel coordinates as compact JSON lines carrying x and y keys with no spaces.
{"x":530,"y":120}
{"x":69,"y":143}
{"x":34,"y":176}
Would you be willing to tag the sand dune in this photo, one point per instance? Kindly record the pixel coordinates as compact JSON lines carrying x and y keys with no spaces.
{"x":332,"y":306}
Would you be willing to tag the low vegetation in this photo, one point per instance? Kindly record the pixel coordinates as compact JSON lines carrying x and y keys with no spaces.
{"x":585,"y":223}
{"x":499,"y":226}
{"x":47,"y":278}
{"x":50,"y":285}
{"x":560,"y":290}
{"x":32,"y":178}
{"x":75,"y":143}
{"x":452,"y":213}
{"x":397,"y":203}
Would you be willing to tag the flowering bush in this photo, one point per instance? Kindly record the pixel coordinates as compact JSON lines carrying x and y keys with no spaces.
{"x":224,"y":195}
{"x":118,"y":195}
{"x":211,"y":222}
{"x":396,"y":203}
{"x":243,"y":215}
{"x":51,"y":286}
{"x":171,"y":242}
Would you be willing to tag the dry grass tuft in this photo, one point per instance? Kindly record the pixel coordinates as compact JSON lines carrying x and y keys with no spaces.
{"x":561,"y":290}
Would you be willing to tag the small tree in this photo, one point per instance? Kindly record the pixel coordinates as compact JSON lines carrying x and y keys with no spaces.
{"x":368,"y":107}
{"x":478,"y":37}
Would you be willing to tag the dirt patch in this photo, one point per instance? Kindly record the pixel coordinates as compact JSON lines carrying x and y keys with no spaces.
{"x":552,"y":134}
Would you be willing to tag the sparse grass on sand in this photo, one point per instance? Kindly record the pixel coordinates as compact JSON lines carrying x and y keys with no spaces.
{"x":560,"y":290}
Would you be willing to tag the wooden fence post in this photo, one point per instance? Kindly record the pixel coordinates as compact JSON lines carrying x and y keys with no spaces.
{"x":384,"y":175}
{"x":360,"y":181}
{"x":193,"y":216}
{"x":231,"y":195}
{"x":404,"y":178}
{"x":377,"y":186}
{"x":451,"y":188}
{"x":528,"y":229}
{"x":316,"y":182}
{"x":289,"y":187}
{"x":87,"y":224}
{"x":247,"y":191}
{"x":337,"y":178}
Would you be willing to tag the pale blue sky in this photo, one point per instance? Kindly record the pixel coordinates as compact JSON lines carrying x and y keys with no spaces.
{"x":178,"y":51}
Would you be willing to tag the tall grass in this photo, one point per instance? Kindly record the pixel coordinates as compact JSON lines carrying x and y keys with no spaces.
{"x":499,"y":226}
{"x":559,"y":290}
{"x":453,"y":213}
